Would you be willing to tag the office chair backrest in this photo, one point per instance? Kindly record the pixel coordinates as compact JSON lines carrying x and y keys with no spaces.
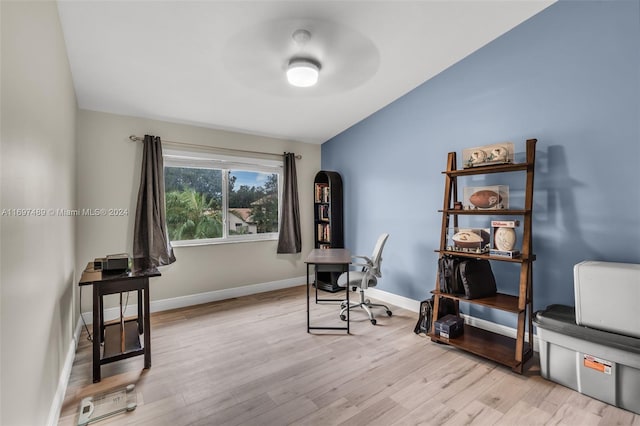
{"x":376,"y":258}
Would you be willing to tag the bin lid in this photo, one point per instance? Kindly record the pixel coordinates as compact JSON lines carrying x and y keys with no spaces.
{"x":562,"y":319}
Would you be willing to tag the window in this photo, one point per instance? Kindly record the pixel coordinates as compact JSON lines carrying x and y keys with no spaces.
{"x":213,"y":198}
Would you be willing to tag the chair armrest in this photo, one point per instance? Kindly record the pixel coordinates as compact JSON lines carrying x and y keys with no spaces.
{"x":367,"y":265}
{"x":362,"y":257}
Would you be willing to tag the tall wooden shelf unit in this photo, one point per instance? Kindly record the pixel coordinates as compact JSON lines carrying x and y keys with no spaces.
{"x":504,"y":350}
{"x":328,"y":223}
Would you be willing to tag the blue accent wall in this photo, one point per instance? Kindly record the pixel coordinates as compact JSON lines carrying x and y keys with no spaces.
{"x":570,"y":77}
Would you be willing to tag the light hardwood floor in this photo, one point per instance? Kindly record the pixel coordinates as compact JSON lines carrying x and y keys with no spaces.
{"x":250,"y":361}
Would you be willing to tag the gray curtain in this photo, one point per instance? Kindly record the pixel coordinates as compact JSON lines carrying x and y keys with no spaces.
{"x":150,"y":240}
{"x":290,"y":240}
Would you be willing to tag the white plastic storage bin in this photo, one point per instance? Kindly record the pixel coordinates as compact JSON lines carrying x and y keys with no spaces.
{"x":608,"y":296}
{"x":602,"y":365}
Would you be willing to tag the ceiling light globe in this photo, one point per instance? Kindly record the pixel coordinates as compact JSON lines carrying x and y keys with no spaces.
{"x":303,"y":72}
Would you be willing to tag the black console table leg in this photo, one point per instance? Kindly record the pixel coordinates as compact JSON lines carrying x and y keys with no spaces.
{"x":146,"y":314}
{"x":97,"y":333}
{"x":141,"y":325}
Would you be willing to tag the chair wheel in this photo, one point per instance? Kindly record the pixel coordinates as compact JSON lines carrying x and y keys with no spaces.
{"x":343,"y":317}
{"x":373,"y":321}
{"x":389,"y":313}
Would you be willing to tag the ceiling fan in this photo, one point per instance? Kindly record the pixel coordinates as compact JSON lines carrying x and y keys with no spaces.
{"x":338,"y":58}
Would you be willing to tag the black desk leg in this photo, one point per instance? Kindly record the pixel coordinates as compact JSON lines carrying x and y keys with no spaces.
{"x":101,"y":318}
{"x":315,"y":280}
{"x":97,"y":333}
{"x":348,"y":307}
{"x":307,"y":297}
{"x":140,"y":323}
{"x":147,"y":326}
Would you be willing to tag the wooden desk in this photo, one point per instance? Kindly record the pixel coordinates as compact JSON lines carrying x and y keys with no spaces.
{"x":338,"y":258}
{"x":121,"y":340}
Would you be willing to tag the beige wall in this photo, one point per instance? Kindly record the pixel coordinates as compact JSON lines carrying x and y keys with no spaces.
{"x":37,"y":253}
{"x":108,"y":177}
{"x":56,"y":157}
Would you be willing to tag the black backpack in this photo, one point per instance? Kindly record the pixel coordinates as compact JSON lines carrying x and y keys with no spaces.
{"x":449,"y":275}
{"x":468,"y":278}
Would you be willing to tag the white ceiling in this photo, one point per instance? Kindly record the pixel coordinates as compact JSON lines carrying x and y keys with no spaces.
{"x":220,"y":64}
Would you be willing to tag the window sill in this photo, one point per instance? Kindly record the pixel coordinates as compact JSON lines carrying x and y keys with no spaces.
{"x":179,"y":244}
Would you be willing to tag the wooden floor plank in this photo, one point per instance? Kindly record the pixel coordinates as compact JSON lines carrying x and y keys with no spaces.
{"x":431,"y":412}
{"x":250,"y":361}
{"x":475,"y":413}
{"x":522,"y":410}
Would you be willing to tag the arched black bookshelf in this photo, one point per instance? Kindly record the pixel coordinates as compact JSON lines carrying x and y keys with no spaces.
{"x":328,"y":223}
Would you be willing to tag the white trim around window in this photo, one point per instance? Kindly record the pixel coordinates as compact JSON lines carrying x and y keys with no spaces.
{"x":249,"y":229}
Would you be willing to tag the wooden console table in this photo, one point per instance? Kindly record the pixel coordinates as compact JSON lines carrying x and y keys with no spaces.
{"x":121,"y":340}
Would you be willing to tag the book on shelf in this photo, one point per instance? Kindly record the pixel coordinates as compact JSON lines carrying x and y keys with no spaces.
{"x":323,"y":193}
{"x":505,"y":223}
{"x":511,"y":254}
{"x":326,"y":194}
{"x":324,"y":232}
{"x":323,"y":212}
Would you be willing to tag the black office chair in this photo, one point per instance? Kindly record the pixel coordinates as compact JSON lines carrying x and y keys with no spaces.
{"x":363,"y":279}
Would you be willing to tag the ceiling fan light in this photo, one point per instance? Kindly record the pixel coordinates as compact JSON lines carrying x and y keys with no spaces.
{"x":303,"y":72}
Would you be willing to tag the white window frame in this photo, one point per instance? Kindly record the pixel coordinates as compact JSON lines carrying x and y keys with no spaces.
{"x":226,"y":163}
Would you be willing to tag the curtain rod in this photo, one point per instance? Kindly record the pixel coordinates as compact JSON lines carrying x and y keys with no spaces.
{"x":193,"y":145}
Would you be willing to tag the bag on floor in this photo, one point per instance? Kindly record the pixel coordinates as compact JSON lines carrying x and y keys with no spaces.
{"x":446,"y":306}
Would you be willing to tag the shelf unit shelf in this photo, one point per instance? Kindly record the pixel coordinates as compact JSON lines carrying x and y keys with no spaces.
{"x":472,"y":255}
{"x":484,"y":170}
{"x":503,"y":212}
{"x":486,"y":344}
{"x":504,"y":302}
{"x":505,"y":350}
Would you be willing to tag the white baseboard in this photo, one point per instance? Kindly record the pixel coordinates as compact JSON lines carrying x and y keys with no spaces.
{"x":65,"y":374}
{"x":394,"y":299}
{"x":216,"y":295}
{"x":198,"y":299}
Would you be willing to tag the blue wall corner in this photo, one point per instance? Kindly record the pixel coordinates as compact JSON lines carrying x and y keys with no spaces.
{"x":570,"y":77}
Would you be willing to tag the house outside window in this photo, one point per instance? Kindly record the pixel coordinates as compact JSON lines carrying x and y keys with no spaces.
{"x":213,"y":198}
